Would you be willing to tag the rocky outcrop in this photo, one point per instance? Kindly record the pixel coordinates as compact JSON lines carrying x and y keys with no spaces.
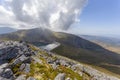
{"x":60,"y":76}
{"x":79,"y":68}
{"x":21,"y":77}
{"x":14,"y":55}
{"x":31,"y":78}
{"x":16,"y":59}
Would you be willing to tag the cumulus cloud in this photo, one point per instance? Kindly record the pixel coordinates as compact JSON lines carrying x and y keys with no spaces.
{"x":53,"y":14}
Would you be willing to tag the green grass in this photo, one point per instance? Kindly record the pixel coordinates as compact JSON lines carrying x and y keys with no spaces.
{"x":16,"y":70}
{"x":45,"y":71}
{"x":111,"y":68}
{"x":87,"y":57}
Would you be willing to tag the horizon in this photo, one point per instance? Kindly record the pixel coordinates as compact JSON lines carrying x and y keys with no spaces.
{"x":6,"y":30}
{"x":59,"y":39}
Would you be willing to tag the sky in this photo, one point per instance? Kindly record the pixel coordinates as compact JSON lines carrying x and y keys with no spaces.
{"x":92,"y":17}
{"x":99,"y":17}
{"x":52,"y":14}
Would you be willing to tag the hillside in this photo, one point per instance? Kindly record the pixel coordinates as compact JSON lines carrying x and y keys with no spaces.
{"x":72,"y":46}
{"x":112,"y":44}
{"x":23,"y":61}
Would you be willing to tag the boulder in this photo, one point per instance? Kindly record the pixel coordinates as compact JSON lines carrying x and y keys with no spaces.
{"x":21,"y":77}
{"x":54,"y":66}
{"x":23,"y":58}
{"x":64,"y":63}
{"x":31,"y":78}
{"x":2,"y":67}
{"x":60,"y":76}
{"x":7,"y":73}
{"x":68,"y":78}
{"x":27,"y":68}
{"x":2,"y":78}
{"x":22,"y":66}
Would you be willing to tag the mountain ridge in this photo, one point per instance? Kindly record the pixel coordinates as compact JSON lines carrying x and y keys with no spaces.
{"x":27,"y":62}
{"x":109,"y":43}
{"x":71,"y":46}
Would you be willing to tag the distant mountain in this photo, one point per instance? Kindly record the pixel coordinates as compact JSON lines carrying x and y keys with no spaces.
{"x":72,"y":46}
{"x":107,"y":40}
{"x":4,"y":30}
{"x":47,"y":36}
{"x":110,"y":43}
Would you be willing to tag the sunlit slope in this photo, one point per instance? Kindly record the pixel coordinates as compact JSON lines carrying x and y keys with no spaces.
{"x":72,"y":46}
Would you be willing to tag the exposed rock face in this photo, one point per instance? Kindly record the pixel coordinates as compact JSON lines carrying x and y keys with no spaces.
{"x":60,"y":76}
{"x":13,"y":54}
{"x":21,"y":77}
{"x":31,"y":78}
{"x":7,"y":73}
{"x":27,"y":68}
{"x":80,"y":69}
{"x":20,"y":56}
{"x":22,"y":66}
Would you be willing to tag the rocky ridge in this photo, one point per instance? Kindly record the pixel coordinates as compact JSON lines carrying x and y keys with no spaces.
{"x":22,"y":61}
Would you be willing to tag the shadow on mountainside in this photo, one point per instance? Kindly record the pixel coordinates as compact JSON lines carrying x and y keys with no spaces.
{"x":72,"y":46}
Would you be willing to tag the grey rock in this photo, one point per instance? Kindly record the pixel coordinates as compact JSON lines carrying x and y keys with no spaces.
{"x":57,"y":62}
{"x":31,"y":78}
{"x":2,"y":67}
{"x":68,"y":78}
{"x":23,"y":58}
{"x":60,"y":76}
{"x":7,"y":73}
{"x":2,"y":78}
{"x":63,"y":62}
{"x":22,"y":66}
{"x":21,"y":77}
{"x":20,"y":59}
{"x":27,"y":68}
{"x":54,"y":66}
{"x":36,"y":59}
{"x":16,"y":61}
{"x":73,"y":67}
{"x":50,"y":60}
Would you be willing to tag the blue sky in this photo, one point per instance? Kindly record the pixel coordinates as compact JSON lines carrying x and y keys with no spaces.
{"x":100,"y":17}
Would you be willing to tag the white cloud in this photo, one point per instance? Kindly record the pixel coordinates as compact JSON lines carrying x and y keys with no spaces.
{"x":55,"y":14}
{"x":6,"y":16}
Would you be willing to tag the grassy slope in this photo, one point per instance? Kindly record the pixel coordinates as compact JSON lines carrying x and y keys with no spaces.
{"x":84,"y":56}
{"x":49,"y":72}
{"x":112,"y":44}
{"x":113,"y":48}
{"x":72,"y":46}
{"x":44,"y":71}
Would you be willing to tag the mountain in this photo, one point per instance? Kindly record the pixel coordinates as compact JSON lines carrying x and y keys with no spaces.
{"x":4,"y":30}
{"x":107,"y":40}
{"x":109,"y":43}
{"x":23,"y":61}
{"x":72,"y":46}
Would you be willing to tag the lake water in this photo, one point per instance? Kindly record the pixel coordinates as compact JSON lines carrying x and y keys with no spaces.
{"x":47,"y":46}
{"x":39,"y":44}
